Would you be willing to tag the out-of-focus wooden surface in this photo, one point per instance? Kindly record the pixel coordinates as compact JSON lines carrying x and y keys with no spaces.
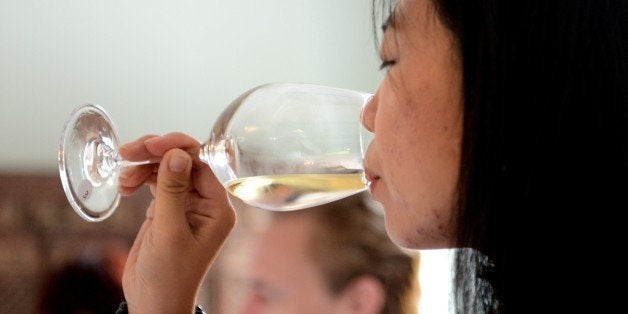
{"x":39,"y":231}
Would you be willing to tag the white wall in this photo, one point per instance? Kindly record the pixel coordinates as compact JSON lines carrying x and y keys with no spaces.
{"x":160,"y":66}
{"x":435,"y":280}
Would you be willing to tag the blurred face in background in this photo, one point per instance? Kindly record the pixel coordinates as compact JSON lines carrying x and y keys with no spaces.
{"x":283,"y":276}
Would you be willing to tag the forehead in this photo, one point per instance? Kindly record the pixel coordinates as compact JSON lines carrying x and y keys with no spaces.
{"x":408,"y":12}
{"x":286,"y":233}
{"x":417,"y":26}
{"x":282,"y":258}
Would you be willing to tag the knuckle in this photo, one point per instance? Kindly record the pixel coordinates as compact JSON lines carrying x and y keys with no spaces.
{"x":174,"y":185}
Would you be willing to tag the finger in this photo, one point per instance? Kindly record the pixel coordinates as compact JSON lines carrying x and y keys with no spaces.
{"x":132,"y":178}
{"x":126,"y":191}
{"x":211,"y":221}
{"x":207,"y":184}
{"x":136,"y":150}
{"x":134,"y":251}
{"x":150,"y":212}
{"x":153,"y":188}
{"x":173,"y":185}
{"x":158,"y":146}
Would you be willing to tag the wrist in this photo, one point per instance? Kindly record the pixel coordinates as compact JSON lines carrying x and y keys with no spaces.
{"x":123,"y":308}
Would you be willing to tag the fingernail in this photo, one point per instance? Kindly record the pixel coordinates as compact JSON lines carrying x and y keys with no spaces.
{"x":177,"y":163}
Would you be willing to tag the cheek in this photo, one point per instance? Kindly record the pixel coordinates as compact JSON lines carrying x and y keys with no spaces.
{"x":401,"y":143}
{"x":395,"y":135}
{"x":420,"y":159}
{"x":396,"y":123}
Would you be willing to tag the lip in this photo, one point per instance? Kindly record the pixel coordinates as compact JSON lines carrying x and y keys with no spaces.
{"x":372,"y":179}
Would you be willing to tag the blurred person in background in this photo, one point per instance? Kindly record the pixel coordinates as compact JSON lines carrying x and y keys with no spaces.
{"x":90,"y":284}
{"x":335,"y":258}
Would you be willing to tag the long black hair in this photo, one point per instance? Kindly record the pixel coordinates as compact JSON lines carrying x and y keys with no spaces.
{"x":544,"y":167}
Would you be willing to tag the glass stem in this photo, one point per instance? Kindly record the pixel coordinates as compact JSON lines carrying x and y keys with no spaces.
{"x":109,"y":160}
{"x":125,"y":163}
{"x":102,"y":161}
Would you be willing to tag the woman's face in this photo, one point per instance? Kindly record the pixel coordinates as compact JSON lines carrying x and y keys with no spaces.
{"x":417,"y":115}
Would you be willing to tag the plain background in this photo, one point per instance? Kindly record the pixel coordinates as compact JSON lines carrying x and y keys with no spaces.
{"x":160,"y":66}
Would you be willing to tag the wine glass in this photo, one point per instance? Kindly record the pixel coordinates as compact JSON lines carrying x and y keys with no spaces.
{"x":278,"y":147}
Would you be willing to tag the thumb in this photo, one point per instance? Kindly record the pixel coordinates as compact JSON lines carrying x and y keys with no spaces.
{"x":173,"y":184}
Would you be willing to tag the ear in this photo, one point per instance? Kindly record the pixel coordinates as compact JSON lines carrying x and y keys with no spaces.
{"x":364,"y":295}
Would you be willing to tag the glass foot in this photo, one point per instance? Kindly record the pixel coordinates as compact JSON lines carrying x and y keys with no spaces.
{"x":87,"y":163}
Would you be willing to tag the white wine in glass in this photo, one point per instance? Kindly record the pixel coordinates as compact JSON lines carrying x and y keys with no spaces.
{"x":277,"y":147}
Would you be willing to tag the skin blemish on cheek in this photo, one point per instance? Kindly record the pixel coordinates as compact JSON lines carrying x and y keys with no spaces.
{"x":436,"y":213}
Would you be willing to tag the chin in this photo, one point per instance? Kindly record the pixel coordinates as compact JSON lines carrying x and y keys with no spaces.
{"x":398,"y":236}
{"x":411,"y":238}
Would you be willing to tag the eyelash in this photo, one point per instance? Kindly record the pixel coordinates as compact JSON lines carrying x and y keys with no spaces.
{"x":387,"y":64}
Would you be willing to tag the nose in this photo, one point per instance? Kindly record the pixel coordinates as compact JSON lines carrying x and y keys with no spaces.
{"x":368,"y":114}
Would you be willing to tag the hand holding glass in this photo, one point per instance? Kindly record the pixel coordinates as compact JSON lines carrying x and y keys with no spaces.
{"x":277,"y":147}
